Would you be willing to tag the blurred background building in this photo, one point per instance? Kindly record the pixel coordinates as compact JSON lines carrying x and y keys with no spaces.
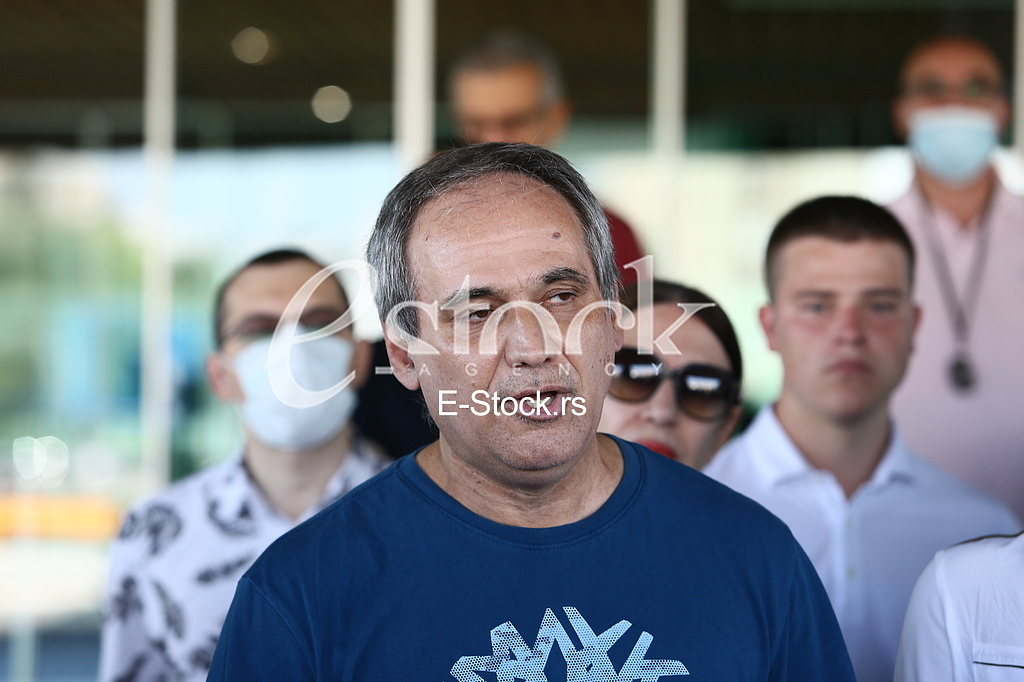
{"x":700,"y":121}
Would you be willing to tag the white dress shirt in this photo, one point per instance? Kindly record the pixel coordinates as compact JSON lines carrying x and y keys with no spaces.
{"x":868,"y":549}
{"x":976,"y":436}
{"x":177,"y":560}
{"x":965,"y":622}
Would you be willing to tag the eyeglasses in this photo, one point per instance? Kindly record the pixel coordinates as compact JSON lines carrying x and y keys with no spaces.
{"x":974,"y":90}
{"x":257,"y":327}
{"x":703,"y":392}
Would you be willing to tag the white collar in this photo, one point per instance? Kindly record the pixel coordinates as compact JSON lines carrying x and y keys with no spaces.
{"x":776,"y":458}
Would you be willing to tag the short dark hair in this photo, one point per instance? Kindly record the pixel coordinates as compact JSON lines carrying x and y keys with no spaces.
{"x":387,"y":249}
{"x":506,"y":49}
{"x":944,"y":40}
{"x":714,"y":317}
{"x":274,"y":257}
{"x":840,"y":218}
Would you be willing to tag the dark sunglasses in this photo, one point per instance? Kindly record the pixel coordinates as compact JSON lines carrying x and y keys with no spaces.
{"x":703,"y":392}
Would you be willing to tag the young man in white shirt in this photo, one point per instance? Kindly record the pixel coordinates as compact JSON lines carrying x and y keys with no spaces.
{"x":180,"y":554}
{"x":826,"y":457}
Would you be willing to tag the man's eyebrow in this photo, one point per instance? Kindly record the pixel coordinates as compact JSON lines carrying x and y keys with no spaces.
{"x":475,"y":292}
{"x":553,"y":276}
{"x":325,"y":308}
{"x":252,"y":320}
{"x":565,"y":274}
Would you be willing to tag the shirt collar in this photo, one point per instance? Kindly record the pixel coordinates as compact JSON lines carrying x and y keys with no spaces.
{"x":238,"y":495}
{"x":234,"y":488}
{"x":896,"y":463}
{"x":996,"y":206}
{"x":777,"y":459}
{"x":775,"y":456}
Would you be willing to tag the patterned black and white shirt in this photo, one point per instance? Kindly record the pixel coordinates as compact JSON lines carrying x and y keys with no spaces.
{"x":177,"y":560}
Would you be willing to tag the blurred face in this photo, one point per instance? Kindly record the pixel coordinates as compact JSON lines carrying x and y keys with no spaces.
{"x":659,"y":422}
{"x":519,"y":243}
{"x":253,"y":305}
{"x":842,"y":321}
{"x":951,"y":73}
{"x":506,"y":105}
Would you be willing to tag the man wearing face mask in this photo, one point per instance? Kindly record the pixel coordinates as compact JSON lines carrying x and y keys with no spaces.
{"x":960,"y":402}
{"x":180,"y":554}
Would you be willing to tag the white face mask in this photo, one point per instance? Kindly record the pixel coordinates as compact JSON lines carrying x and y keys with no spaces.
{"x":315,"y":365}
{"x":953,"y":143}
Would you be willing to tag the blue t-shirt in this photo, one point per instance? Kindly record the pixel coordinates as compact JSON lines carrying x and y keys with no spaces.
{"x":674,"y":575}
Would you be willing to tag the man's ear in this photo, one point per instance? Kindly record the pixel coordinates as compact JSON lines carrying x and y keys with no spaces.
{"x":362,"y":362}
{"x":901,"y":117}
{"x":401,"y":360}
{"x":1002,"y":112}
{"x":223,"y":381}
{"x":557,"y":120}
{"x":915,"y":325}
{"x":766,"y":316}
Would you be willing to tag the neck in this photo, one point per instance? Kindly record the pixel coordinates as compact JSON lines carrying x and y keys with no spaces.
{"x":566,"y":497}
{"x":848,"y":449}
{"x":294,"y":481}
{"x":966,"y":203}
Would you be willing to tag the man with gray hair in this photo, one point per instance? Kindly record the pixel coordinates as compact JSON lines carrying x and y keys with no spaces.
{"x":522,"y":527}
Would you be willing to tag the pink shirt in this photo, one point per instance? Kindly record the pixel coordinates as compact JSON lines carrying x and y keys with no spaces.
{"x":978,"y":435}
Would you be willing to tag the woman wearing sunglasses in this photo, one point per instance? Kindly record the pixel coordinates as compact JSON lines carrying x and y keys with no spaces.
{"x":684,"y":405}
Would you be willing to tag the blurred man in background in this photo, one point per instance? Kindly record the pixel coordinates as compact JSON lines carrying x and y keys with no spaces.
{"x":180,"y":554}
{"x":508,"y":88}
{"x":961,"y":402}
{"x":827,"y":458}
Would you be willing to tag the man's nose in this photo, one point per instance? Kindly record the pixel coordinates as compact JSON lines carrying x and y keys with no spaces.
{"x":531,"y":336}
{"x":850,"y":324}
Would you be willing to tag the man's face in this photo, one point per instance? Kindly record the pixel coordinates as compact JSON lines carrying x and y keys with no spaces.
{"x":842,"y":321}
{"x":253,"y":305}
{"x":951,"y":73}
{"x":518,"y":242}
{"x":506,"y":105}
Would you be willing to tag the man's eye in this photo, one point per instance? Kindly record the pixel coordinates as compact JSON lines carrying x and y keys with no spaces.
{"x":815,"y":307}
{"x":248,"y":336}
{"x":562,"y":297}
{"x":478,"y":314}
{"x":936,"y":89}
{"x":882,"y":307}
{"x":978,"y":89}
{"x":316,"y":323}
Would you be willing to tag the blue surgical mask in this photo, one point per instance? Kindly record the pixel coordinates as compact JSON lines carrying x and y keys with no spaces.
{"x":296,"y":420}
{"x":953,"y":143}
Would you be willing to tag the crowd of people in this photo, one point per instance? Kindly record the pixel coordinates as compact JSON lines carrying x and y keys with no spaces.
{"x":551,"y":450}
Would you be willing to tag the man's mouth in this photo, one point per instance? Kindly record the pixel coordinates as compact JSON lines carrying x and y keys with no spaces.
{"x":850,"y":367}
{"x":540,"y":404}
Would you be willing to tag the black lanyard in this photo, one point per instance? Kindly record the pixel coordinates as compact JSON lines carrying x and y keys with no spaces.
{"x":959,"y":310}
